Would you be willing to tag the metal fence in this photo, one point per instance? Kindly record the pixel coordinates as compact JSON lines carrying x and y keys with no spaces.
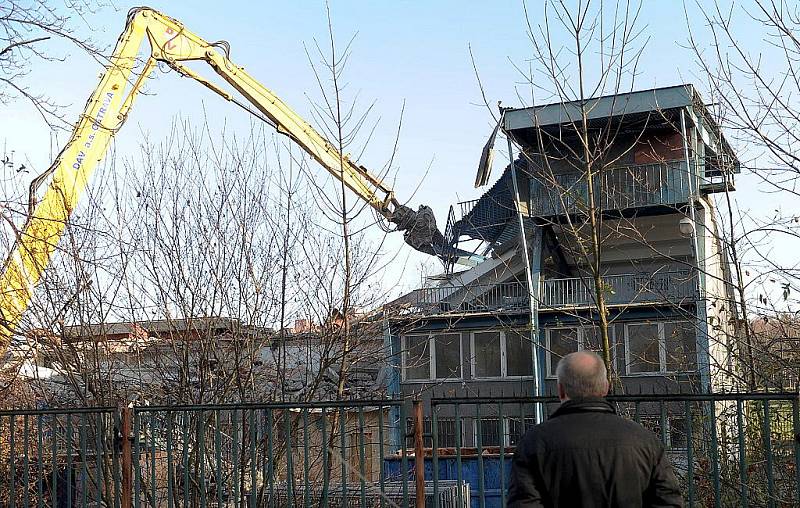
{"x":727,"y":450}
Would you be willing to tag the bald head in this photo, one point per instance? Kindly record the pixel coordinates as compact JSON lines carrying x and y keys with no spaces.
{"x":581,"y":375}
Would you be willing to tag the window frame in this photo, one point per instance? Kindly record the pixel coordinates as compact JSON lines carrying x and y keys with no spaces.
{"x":431,"y":358}
{"x":662,"y":350}
{"x":551,"y":369}
{"x":503,"y":355}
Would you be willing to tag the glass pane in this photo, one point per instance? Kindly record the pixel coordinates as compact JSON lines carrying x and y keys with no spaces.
{"x":448,"y":355}
{"x":487,"y":354}
{"x":643,"y":344}
{"x":619,"y":347}
{"x":418,"y":359}
{"x":592,"y":339}
{"x":681,"y":350}
{"x":562,"y":342}
{"x":517,"y":427}
{"x":519,"y":354}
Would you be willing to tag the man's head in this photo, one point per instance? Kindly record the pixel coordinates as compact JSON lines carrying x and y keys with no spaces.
{"x":581,"y":375}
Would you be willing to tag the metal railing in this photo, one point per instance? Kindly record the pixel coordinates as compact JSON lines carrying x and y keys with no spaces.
{"x":616,"y":188}
{"x":726,"y":450}
{"x":674,"y":287}
{"x":624,"y":289}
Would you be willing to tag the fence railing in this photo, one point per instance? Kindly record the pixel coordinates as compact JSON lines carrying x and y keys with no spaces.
{"x":726,"y":450}
{"x":616,"y":188}
{"x":673,"y":287}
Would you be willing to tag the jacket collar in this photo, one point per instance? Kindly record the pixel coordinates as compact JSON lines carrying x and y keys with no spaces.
{"x":588,"y":405}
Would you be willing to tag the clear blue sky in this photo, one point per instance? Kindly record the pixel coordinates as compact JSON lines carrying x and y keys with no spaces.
{"x":415,"y":52}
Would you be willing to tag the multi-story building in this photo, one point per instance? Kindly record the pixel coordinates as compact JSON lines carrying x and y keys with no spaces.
{"x":656,"y":158}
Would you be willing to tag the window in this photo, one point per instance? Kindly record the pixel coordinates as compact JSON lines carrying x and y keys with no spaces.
{"x":660,"y":347}
{"x":512,"y":430}
{"x":562,"y":341}
{"x":489,"y":432}
{"x":681,"y":346}
{"x":432,"y":356}
{"x":501,"y":354}
{"x":447,"y":350}
{"x":486,"y":354}
{"x":643,"y":348}
{"x":445,"y":432}
{"x":519,"y":354}
{"x":417,"y":357}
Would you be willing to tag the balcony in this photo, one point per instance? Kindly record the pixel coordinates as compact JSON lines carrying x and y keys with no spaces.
{"x":643,"y":185}
{"x":627,"y":289}
{"x":668,"y":287}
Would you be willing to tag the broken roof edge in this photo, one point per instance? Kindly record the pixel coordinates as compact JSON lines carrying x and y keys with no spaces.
{"x":618,"y":105}
{"x":605,"y":106}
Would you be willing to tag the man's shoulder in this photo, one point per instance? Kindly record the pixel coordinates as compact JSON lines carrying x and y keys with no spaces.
{"x":602,"y":423}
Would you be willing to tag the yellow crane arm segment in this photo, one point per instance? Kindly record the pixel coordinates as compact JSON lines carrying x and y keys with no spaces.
{"x":105,"y":113}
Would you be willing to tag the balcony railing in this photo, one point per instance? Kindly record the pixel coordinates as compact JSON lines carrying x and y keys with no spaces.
{"x":616,"y":189}
{"x":675,"y":287}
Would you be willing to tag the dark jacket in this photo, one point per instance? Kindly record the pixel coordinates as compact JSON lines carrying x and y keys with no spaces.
{"x":586,"y":456}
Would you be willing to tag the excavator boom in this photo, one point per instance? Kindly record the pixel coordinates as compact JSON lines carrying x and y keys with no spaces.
{"x":105,"y":113}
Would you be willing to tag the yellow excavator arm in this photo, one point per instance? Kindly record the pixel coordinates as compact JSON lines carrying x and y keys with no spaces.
{"x":106,"y":112}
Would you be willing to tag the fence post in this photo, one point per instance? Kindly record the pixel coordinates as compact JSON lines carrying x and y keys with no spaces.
{"x":127,"y":483}
{"x":419,"y":456}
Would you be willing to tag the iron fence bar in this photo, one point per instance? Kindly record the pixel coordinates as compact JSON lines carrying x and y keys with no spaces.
{"x":153,"y":451}
{"x":715,"y":456}
{"x":435,"y":456}
{"x":270,"y":455}
{"x":201,"y":456}
{"x":343,"y":458}
{"x":381,"y":474}
{"x":54,"y":445}
{"x":100,"y":453}
{"x":479,"y":443}
{"x":796,"y":430}
{"x":252,"y":405}
{"x":39,"y":461}
{"x":216,"y":416}
{"x":767,"y":437}
{"x":136,"y":463}
{"x":185,"y":432}
{"x":235,"y":465}
{"x":404,"y":455}
{"x":362,"y":457}
{"x":70,"y":475}
{"x":689,"y":451}
{"x":58,"y":411}
{"x":84,"y":468}
{"x":253,"y":459}
{"x":459,"y":472}
{"x":12,"y":445}
{"x":502,"y":454}
{"x":325,"y":458}
{"x":170,"y":462}
{"x":307,"y":492}
{"x":26,"y":478}
{"x":692,"y":397}
{"x":287,"y":418}
{"x":742,"y":454}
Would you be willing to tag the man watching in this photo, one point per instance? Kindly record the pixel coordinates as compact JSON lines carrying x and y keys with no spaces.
{"x":585,"y":455}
